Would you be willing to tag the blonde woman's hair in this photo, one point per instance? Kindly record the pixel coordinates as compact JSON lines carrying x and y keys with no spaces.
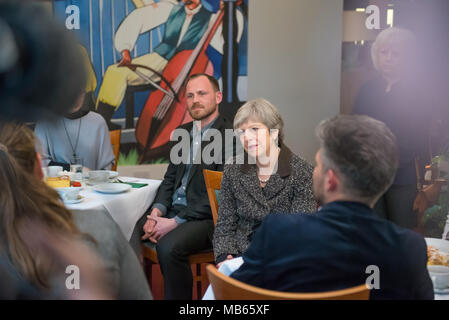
{"x":25,"y":199}
{"x":402,"y":37}
{"x":261,"y":110}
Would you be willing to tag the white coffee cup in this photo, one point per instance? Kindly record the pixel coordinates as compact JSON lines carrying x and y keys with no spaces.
{"x":439,"y":276}
{"x":53,"y":171}
{"x":76,"y":168}
{"x":98,"y":176}
{"x":69,"y":193}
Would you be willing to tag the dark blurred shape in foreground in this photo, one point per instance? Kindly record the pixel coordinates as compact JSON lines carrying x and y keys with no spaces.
{"x":41,"y":73}
{"x":41,"y":69}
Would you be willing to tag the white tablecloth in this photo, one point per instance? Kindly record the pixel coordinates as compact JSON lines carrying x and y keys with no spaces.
{"x":125,"y":208}
{"x":441,"y":296}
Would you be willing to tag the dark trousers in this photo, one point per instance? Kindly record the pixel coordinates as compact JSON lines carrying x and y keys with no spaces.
{"x":173,"y":251}
{"x":396,"y":205}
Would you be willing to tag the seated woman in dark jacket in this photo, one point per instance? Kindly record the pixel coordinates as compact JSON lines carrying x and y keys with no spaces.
{"x":267,"y":178}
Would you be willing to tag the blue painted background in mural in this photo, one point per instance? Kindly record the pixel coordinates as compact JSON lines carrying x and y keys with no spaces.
{"x":99,"y":20}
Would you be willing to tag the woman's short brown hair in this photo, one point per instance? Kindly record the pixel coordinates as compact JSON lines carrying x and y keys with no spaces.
{"x":261,"y":110}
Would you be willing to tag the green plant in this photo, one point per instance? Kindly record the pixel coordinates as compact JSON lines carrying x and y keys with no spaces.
{"x":132,"y":159}
{"x":434,"y":219}
{"x":443,"y":155}
{"x":439,"y":158}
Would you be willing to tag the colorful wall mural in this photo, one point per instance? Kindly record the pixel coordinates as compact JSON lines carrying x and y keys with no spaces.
{"x":140,"y":52}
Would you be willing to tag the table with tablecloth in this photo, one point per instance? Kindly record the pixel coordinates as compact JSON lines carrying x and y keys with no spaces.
{"x":125,"y":208}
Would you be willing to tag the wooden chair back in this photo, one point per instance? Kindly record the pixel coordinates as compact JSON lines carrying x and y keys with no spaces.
{"x":213,"y":182}
{"x":227,"y":288}
{"x":115,"y":141}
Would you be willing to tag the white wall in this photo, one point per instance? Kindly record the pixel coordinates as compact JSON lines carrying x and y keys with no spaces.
{"x":294,"y":58}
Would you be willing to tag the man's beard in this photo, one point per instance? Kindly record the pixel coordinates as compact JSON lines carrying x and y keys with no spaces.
{"x":199,"y":116}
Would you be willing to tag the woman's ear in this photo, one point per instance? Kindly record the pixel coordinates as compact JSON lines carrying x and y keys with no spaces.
{"x":38,"y":167}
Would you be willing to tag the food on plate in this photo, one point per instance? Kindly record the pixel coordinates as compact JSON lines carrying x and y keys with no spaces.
{"x":436,"y":257}
{"x":58,"y":182}
{"x":76,"y":184}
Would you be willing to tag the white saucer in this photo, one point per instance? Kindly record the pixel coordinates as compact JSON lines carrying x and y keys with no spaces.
{"x":90,"y":183}
{"x":81,"y":198}
{"x":68,"y":188}
{"x":112,"y":188}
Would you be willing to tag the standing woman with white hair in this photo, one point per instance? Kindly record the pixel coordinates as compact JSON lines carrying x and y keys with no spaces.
{"x":395,"y":98}
{"x":267,"y":178}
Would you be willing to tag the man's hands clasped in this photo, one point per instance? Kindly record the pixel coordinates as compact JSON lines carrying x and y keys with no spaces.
{"x":156,"y":226}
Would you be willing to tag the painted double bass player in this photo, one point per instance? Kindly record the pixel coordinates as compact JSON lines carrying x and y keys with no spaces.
{"x":189,"y":29}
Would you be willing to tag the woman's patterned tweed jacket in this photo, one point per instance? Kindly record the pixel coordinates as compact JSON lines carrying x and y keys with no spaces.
{"x":243,"y":203}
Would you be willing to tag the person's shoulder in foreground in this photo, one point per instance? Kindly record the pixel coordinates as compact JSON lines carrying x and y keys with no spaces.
{"x":336,"y":249}
{"x":125,"y":275}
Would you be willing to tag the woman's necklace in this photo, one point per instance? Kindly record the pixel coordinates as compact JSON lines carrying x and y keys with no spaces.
{"x":264,"y":180}
{"x":77,"y":137}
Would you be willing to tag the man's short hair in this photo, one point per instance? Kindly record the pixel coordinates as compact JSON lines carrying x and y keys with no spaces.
{"x":211,"y":79}
{"x":362,"y":150}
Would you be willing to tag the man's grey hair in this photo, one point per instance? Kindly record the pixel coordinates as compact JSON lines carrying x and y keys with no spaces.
{"x":261,"y":110}
{"x":362,"y":151}
{"x":404,"y":38}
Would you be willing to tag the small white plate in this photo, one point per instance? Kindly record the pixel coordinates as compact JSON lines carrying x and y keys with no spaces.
{"x":81,"y":198}
{"x":112,"y":188}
